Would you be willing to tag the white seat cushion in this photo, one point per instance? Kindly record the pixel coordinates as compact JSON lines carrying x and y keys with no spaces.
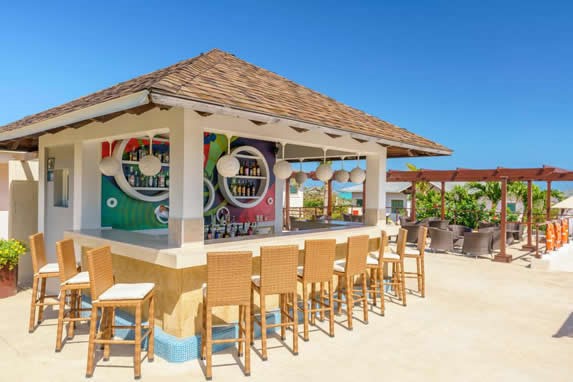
{"x":412,"y":252}
{"x":370,"y":260}
{"x":300,"y":270}
{"x":49,"y":268}
{"x":204,"y":289}
{"x":256,"y":280}
{"x":340,"y":265}
{"x":391,"y":256}
{"x":127,"y":291}
{"x":80,"y":278}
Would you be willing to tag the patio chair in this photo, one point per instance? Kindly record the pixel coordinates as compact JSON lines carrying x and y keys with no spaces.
{"x":412,"y":233}
{"x":517,"y":230}
{"x":486,"y":225}
{"x":441,"y":224}
{"x":418,"y":255}
{"x":495,"y":237}
{"x":397,"y":281}
{"x":317,"y":269}
{"x":278,"y":277}
{"x":354,"y":265}
{"x":375,"y":264}
{"x":477,"y":243}
{"x":228,"y":284}
{"x":108,"y":296}
{"x":346,"y":217}
{"x":42,"y":271}
{"x":441,"y":240}
{"x":72,"y":282}
{"x":404,"y":220}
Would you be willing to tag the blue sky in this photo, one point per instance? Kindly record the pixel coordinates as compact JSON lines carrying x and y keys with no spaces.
{"x":490,"y":79}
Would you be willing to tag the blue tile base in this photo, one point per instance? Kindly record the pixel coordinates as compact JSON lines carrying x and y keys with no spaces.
{"x":175,"y":349}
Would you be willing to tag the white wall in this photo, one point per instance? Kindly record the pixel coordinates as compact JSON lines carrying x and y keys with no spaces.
{"x":58,"y":219}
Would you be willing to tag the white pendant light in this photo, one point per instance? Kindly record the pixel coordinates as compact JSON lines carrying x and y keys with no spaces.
{"x":357,"y":175}
{"x":109,"y":166}
{"x":228,"y":165}
{"x":282,"y":168}
{"x":324,"y":171}
{"x":300,"y":177}
{"x":150,"y":165}
{"x":341,"y":175}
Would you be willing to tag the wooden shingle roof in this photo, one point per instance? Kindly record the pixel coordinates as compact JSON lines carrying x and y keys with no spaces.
{"x":218,"y":77}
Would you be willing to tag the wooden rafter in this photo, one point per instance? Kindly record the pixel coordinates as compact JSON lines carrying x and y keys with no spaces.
{"x":545,"y":173}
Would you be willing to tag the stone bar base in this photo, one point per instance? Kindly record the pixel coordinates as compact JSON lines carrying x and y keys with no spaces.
{"x":183,"y":231}
{"x":374,"y":216}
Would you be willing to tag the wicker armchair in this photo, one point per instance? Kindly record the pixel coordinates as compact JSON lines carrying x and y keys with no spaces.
{"x":441,"y":224}
{"x":441,"y":240}
{"x":477,"y":243}
{"x":412,"y":233}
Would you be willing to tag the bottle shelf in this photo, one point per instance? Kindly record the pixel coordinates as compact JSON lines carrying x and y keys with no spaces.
{"x":260,"y":183}
{"x":137,"y":163}
{"x":151,"y":188}
{"x":248,"y":177}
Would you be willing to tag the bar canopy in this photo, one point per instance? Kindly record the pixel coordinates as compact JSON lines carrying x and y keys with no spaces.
{"x":545,"y":173}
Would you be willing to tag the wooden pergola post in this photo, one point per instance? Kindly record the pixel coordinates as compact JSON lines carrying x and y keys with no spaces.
{"x":529,"y":244}
{"x":413,"y":203}
{"x":443,"y":209}
{"x":286,"y":212}
{"x":548,"y":202}
{"x":502,"y":256}
{"x":329,"y":202}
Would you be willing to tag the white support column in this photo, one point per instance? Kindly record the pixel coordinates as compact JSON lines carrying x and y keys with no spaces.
{"x":186,"y":180}
{"x":87,"y":185}
{"x":375,"y":190}
{"x":41,"y":185}
{"x":280,"y":186}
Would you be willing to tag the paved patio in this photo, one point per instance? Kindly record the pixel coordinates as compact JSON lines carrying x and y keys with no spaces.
{"x":482,"y":321}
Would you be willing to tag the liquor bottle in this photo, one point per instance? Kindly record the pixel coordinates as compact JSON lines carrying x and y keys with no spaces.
{"x":166,"y":157}
{"x":136,"y":178}
{"x":142,"y":152}
{"x":133,"y":176}
{"x":232,"y":232}
{"x":167,"y":179}
{"x":258,"y":170}
{"x":209,"y":233}
{"x":226,"y":234}
{"x":241,"y":168}
{"x":233,"y":187}
{"x":250,"y":230}
{"x":216,"y":234}
{"x":243,"y":189}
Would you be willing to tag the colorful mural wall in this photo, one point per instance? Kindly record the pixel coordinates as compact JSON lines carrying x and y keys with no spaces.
{"x":214,"y":147}
{"x":125,"y":203}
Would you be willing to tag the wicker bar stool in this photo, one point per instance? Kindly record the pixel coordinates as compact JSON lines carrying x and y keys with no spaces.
{"x":228,"y":284}
{"x":317,"y":269}
{"x":376,"y":268}
{"x":42,"y":271}
{"x":107,"y":296}
{"x":354,"y":265}
{"x":278,"y":276}
{"x":397,"y":281}
{"x":71,"y":284}
{"x":418,"y":255}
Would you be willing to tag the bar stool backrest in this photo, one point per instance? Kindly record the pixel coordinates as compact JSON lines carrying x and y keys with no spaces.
{"x":278,"y":268}
{"x":401,"y":242}
{"x":356,"y":254}
{"x":383,"y":244}
{"x":66,"y":259}
{"x":229,"y":278}
{"x":422,"y":238}
{"x":38,"y":251}
{"x":318,"y":259}
{"x":100,"y":270}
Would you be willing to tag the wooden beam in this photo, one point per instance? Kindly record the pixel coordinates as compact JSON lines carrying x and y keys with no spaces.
{"x":502,"y":256}
{"x":529,"y":244}
{"x":443,"y":207}
{"x":548,"y":201}
{"x":334,"y":136}
{"x":413,"y":202}
{"x":329,"y":202}
{"x":203,"y":113}
{"x":299,"y":129}
{"x":286,"y":212}
{"x":258,"y":123}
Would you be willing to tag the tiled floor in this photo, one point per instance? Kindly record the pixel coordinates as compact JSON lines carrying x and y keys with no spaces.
{"x":482,"y":321}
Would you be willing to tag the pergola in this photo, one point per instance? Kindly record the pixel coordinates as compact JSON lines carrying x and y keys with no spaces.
{"x":503,"y":175}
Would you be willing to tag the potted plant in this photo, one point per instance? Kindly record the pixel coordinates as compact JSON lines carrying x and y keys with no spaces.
{"x":10,"y":252}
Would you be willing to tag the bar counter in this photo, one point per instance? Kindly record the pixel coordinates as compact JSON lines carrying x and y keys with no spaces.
{"x":179,"y":273}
